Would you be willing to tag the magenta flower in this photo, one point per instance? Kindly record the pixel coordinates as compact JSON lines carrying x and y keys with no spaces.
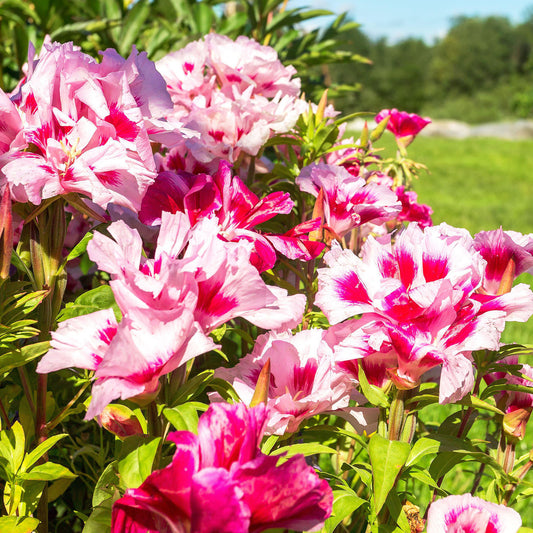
{"x":457,"y":514}
{"x":304,"y":381}
{"x":498,"y":247}
{"x":412,"y":211}
{"x":347,"y":200}
{"x":237,"y":209}
{"x":223,"y":469}
{"x":404,"y":126}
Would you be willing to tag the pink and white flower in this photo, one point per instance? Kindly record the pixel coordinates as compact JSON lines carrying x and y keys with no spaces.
{"x":223,"y":468}
{"x":83,"y":127}
{"x":455,"y":514}
{"x":237,"y":209}
{"x":303,"y":381}
{"x":234,"y":94}
{"x":347,"y":200}
{"x":420,"y":302}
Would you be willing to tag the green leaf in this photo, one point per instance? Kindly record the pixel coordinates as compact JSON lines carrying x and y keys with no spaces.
{"x":40,"y":450}
{"x":183,"y":417}
{"x":89,"y":302}
{"x":193,"y":387}
{"x":18,"y":524}
{"x":307,"y":449}
{"x":22,"y":356}
{"x":58,"y":487}
{"x":203,"y":17}
{"x":387,"y":458}
{"x":345,"y":502}
{"x":421,"y":448}
{"x":106,"y":484}
{"x":373,"y":394}
{"x":80,"y":248}
{"x":137,"y":465}
{"x":132,"y":25}
{"x":47,"y":472}
{"x":100,"y":519}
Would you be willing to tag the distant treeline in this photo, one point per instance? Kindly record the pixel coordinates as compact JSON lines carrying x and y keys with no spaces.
{"x":482,"y":70}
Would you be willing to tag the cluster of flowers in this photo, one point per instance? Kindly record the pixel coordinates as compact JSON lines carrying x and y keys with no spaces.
{"x":88,"y":131}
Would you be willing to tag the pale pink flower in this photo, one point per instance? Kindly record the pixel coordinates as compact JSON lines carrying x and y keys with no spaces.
{"x":237,"y":209}
{"x":223,"y":468}
{"x":84,"y":127}
{"x":303,"y":382}
{"x":404,"y":126}
{"x":234,"y":94}
{"x":223,"y":283}
{"x":348,"y":201}
{"x":456,"y":514}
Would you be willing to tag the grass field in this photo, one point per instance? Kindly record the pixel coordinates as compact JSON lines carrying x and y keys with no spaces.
{"x":478,"y":184}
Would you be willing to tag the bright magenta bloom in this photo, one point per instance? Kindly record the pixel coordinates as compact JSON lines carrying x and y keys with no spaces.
{"x":466,"y":513}
{"x":237,"y":209}
{"x":404,"y":126}
{"x":220,"y":482}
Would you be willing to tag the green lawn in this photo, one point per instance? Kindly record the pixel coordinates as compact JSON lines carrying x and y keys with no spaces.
{"x":477,"y":183}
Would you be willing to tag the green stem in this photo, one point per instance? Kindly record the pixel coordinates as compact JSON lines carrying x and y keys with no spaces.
{"x":64,"y":412}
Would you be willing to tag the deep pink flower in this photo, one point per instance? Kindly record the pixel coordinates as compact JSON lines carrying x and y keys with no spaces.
{"x":404,"y":126}
{"x":457,"y":514}
{"x":347,"y":200}
{"x":237,"y":209}
{"x":223,"y":469}
{"x":303,"y":382}
{"x":498,"y":247}
{"x":412,"y":211}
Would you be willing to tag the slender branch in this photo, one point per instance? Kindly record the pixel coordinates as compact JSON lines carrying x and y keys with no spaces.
{"x":26,"y":388}
{"x":4,"y":415}
{"x":55,"y":421}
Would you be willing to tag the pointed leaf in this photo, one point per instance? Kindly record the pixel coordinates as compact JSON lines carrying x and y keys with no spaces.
{"x":387,"y":458}
{"x":40,"y":450}
{"x":18,"y":524}
{"x":137,"y":465}
{"x":183,"y":417}
{"x":345,"y":502}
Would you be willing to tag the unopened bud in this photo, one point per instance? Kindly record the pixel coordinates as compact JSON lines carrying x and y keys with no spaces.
{"x":509,"y":274}
{"x":262,"y":386}
{"x":120,"y":421}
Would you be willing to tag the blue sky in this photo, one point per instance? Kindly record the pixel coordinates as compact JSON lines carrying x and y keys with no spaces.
{"x":397,"y":19}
